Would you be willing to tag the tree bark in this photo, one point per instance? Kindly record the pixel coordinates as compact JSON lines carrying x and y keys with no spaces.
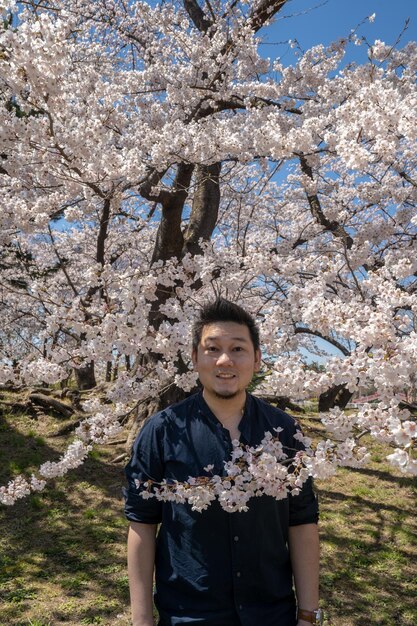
{"x":51,"y":404}
{"x":169,"y":238}
{"x":108,"y":371}
{"x":264,"y":11}
{"x":338,"y":396}
{"x":172,"y":242}
{"x":205,"y":208}
{"x":85,"y":376}
{"x":115,"y":370}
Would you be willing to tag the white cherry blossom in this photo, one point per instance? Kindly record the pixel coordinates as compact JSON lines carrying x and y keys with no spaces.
{"x":315,"y":231}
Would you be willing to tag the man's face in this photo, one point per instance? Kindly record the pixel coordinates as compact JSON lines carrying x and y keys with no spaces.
{"x":225,"y":359}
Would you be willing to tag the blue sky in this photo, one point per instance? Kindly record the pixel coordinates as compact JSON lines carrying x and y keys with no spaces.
{"x":320,"y":21}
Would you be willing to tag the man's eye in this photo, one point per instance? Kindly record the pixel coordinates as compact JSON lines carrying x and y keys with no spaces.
{"x":238,"y":349}
{"x":211,"y":349}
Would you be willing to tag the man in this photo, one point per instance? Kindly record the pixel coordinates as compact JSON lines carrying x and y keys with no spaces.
{"x":216,"y":568}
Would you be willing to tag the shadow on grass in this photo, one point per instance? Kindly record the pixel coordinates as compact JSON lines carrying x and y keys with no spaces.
{"x":64,"y":545}
{"x":369,"y":551}
{"x":402,"y":481}
{"x":362,"y":502}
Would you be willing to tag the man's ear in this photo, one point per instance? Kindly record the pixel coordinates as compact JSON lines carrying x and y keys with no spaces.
{"x":194,"y":357}
{"x":258,"y":359}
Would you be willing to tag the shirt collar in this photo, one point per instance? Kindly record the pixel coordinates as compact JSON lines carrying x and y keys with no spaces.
{"x":205,"y":409}
{"x":245,"y":424}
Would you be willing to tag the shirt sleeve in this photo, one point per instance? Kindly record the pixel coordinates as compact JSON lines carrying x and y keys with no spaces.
{"x":146,"y":463}
{"x":303,"y":507}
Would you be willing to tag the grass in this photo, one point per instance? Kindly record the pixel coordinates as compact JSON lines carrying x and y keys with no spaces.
{"x":63,"y":555}
{"x":369,"y":544}
{"x":62,"y":551}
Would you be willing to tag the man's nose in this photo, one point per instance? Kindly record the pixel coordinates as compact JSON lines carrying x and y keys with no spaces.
{"x":224,"y":359}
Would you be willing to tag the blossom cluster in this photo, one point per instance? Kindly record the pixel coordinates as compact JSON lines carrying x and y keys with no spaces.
{"x":256,"y":471}
{"x":111,"y":115}
{"x":21,"y":487}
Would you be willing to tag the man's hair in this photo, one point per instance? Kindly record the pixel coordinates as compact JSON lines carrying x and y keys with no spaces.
{"x":222,"y":310}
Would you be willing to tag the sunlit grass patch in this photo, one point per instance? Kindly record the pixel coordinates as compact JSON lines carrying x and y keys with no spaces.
{"x":369,"y":547}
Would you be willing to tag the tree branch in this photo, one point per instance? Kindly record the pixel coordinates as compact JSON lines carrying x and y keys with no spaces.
{"x":196,"y":14}
{"x":408,"y":179}
{"x":153,"y":179}
{"x":62,"y":264}
{"x":317,"y":212}
{"x":307,"y":331}
{"x":264,"y":11}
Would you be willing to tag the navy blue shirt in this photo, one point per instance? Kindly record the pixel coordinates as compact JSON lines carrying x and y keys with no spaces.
{"x":216,"y":568}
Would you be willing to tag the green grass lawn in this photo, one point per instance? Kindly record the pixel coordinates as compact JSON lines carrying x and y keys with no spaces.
{"x":63,"y":556}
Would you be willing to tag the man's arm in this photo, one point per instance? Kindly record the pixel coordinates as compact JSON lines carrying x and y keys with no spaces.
{"x":140,"y":565}
{"x":304,"y":551}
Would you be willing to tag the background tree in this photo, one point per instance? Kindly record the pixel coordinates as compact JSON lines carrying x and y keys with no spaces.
{"x":182,"y":165}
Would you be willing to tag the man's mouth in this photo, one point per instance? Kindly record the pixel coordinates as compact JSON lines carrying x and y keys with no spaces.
{"x":225,"y":376}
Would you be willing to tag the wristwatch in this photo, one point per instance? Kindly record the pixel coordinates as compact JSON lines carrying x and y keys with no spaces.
{"x":314,"y":617}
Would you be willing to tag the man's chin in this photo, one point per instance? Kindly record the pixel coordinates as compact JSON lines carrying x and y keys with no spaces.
{"x":226,"y":395}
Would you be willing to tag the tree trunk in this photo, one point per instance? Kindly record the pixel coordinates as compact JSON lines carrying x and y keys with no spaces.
{"x":108,"y":371}
{"x":115,"y":371}
{"x":172,"y":242}
{"x":169,"y":238}
{"x":338,"y":396}
{"x":85,"y":376}
{"x":205,"y":208}
{"x":282,"y":402}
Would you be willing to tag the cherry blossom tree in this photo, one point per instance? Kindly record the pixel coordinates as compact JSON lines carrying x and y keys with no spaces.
{"x":179,"y":165}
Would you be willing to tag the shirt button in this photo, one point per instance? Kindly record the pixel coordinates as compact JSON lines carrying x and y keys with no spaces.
{"x":238,"y":574}
{"x":236,"y":538}
{"x":240,"y":607}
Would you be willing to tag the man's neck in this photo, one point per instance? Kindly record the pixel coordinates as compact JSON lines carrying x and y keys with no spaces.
{"x":228,"y":411}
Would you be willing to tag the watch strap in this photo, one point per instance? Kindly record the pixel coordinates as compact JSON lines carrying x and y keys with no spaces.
{"x":308,"y":616}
